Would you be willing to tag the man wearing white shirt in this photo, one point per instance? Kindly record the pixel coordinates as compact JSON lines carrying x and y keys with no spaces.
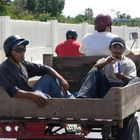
{"x":97,"y":42}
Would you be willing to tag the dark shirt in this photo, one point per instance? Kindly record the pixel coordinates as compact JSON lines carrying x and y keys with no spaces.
{"x":13,"y":78}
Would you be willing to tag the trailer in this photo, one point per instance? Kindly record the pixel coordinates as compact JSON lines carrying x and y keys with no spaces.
{"x":113,"y":116}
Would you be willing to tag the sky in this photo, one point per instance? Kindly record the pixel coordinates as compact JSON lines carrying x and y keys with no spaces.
{"x":75,"y":7}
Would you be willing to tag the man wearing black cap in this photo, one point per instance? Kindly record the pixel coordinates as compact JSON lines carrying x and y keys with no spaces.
{"x":15,"y":72}
{"x":69,"y":47}
{"x":113,"y":71}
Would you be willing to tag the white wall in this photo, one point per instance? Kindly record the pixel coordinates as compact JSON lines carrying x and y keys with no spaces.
{"x":44,"y":36}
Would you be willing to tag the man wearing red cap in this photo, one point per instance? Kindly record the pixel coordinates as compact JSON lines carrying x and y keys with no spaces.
{"x":97,"y":42}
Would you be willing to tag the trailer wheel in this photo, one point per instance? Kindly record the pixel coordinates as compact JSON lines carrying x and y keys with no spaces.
{"x":130,"y":131}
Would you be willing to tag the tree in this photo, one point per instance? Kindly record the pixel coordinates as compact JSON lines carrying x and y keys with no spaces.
{"x":19,"y":7}
{"x":37,"y":9}
{"x":87,"y":17}
{"x":41,"y":6}
{"x":4,"y":6}
{"x":89,"y":13}
{"x":53,"y":7}
{"x":31,"y":6}
{"x":121,"y":18}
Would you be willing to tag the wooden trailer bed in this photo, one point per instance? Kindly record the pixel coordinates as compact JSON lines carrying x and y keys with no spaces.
{"x":116,"y":105}
{"x":113,"y":115}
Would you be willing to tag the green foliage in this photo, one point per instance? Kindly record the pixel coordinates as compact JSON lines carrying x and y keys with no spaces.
{"x":38,"y":9}
{"x":4,"y":7}
{"x":44,"y":10}
{"x":31,"y":6}
{"x":43,"y":17}
{"x":125,"y":19}
{"x":83,"y":18}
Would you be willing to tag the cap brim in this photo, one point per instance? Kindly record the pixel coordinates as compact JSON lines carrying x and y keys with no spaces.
{"x":20,"y":42}
{"x":121,"y":44}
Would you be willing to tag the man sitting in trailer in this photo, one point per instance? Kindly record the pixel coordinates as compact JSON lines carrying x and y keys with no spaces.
{"x":113,"y":71}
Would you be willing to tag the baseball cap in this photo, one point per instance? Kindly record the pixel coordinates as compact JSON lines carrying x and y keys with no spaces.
{"x":118,"y":40}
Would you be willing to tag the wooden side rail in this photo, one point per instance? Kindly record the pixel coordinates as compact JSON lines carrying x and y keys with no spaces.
{"x":117,"y":104}
{"x":73,"y":69}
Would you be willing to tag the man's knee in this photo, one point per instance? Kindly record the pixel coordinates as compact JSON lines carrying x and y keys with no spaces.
{"x":96,"y":71}
{"x":47,"y":77}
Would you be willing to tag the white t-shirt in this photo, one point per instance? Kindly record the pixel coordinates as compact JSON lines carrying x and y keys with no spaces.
{"x":97,"y":43}
{"x":127,"y":67}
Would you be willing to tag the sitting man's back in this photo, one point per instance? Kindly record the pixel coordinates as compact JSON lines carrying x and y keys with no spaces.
{"x":69,"y":47}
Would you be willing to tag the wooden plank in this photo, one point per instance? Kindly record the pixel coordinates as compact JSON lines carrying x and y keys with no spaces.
{"x":73,"y":69}
{"x":117,"y":105}
{"x":105,"y":108}
{"x":136,"y":60}
{"x":48,"y":59}
{"x":79,"y":65}
{"x":129,"y":99}
{"x":71,"y":62}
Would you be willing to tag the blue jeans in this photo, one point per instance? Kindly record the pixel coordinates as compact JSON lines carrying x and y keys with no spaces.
{"x":96,"y":85}
{"x":50,"y":87}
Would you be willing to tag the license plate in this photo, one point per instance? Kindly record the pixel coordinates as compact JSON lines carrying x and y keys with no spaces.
{"x":73,"y":128}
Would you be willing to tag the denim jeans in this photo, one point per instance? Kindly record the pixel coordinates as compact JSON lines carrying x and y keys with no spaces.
{"x":96,"y":85}
{"x":50,"y":87}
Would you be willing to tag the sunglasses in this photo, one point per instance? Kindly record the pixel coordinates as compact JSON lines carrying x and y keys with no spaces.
{"x":20,"y":50}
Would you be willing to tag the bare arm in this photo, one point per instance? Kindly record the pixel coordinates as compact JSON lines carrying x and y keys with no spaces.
{"x":122,"y":76}
{"x":104,"y":63}
{"x":38,"y":99}
{"x":64,"y":84}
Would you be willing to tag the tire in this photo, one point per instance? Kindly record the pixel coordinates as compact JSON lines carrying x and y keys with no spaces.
{"x":130,"y":131}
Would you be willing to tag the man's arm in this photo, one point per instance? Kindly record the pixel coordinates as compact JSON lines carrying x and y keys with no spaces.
{"x":123,"y":77}
{"x":105,"y":62}
{"x":131,"y":72}
{"x":38,"y":99}
{"x":63,"y":83}
{"x":39,"y":70}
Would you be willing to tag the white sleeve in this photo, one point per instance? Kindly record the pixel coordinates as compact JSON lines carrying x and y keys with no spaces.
{"x":131,"y":69}
{"x":82,"y":47}
{"x":101,"y":60}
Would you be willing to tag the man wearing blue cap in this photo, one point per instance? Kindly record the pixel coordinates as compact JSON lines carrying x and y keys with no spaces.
{"x":15,"y":72}
{"x":113,"y":71}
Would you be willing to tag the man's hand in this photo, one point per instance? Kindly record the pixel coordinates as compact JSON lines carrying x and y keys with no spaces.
{"x":64,"y":85}
{"x":105,"y":62}
{"x":39,"y":100}
{"x":119,"y":75}
{"x":33,"y":96}
{"x":110,"y":59}
{"x":122,"y":77}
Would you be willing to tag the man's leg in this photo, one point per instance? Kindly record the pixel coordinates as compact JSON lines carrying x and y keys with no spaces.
{"x":95,"y":84}
{"x":49,"y":86}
